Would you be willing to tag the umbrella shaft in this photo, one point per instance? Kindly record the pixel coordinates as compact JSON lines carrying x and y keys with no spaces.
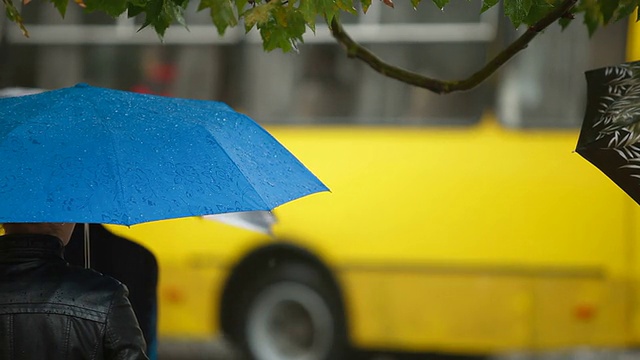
{"x":87,"y":247}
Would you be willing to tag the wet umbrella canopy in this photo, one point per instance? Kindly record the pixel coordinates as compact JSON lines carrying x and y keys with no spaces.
{"x":610,"y":134}
{"x":93,"y":155}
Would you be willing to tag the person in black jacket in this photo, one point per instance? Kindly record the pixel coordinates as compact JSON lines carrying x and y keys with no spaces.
{"x":128,"y":262}
{"x":51,"y":310}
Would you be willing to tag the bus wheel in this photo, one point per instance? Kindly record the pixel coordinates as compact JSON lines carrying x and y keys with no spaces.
{"x":293,"y":313}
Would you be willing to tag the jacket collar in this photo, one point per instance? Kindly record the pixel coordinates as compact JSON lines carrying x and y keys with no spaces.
{"x":30,"y":245}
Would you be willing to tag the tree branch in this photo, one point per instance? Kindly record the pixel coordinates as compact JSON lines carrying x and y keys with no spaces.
{"x":355,"y":50}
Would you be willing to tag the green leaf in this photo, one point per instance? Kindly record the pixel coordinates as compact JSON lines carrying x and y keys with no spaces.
{"x":309,"y":12}
{"x":440,"y":3}
{"x":284,"y":29}
{"x":592,"y":14}
{"x":626,"y":8}
{"x":240,"y":5}
{"x":566,"y":20}
{"x":327,"y":8}
{"x":258,"y":15}
{"x":176,"y":11}
{"x":159,"y":13}
{"x":608,"y":9}
{"x":415,"y":3}
{"x":112,"y":8}
{"x":539,"y":9}
{"x":153,"y":11}
{"x":134,"y":10}
{"x":346,"y":5}
{"x":275,"y":37}
{"x":61,"y":5}
{"x":14,"y":15}
{"x":222,"y":13}
{"x":366,"y":3}
{"x":12,"y":12}
{"x":136,"y":7}
{"x":488,"y":4}
{"x":517,"y":10}
{"x":296,"y":24}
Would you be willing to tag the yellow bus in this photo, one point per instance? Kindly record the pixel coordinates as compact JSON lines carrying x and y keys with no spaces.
{"x":458,"y":224}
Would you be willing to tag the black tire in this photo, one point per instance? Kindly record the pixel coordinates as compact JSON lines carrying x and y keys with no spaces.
{"x":291,"y":312}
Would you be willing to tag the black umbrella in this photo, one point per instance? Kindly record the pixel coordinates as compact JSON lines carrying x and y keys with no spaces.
{"x":610,"y":134}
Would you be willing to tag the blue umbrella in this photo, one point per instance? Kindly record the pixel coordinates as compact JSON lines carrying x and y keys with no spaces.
{"x":92,"y":155}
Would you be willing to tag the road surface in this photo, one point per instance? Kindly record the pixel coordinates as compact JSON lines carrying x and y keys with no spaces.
{"x":220,"y":350}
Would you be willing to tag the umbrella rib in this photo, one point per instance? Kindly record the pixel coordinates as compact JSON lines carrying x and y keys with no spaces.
{"x":270,"y":204}
{"x":264,"y":201}
{"x":116,"y":168}
{"x":120,"y":177}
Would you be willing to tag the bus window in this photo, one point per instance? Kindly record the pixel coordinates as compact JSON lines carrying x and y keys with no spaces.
{"x":316,"y":85}
{"x":544,"y":87}
{"x":320,"y":84}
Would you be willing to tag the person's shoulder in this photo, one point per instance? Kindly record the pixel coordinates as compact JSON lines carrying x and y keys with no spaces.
{"x":93,"y":281}
{"x":79,"y":292}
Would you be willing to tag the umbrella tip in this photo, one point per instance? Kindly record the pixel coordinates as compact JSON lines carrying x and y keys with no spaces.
{"x":82,"y":85}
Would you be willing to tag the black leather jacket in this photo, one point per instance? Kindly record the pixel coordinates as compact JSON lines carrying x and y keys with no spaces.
{"x":50,"y":310}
